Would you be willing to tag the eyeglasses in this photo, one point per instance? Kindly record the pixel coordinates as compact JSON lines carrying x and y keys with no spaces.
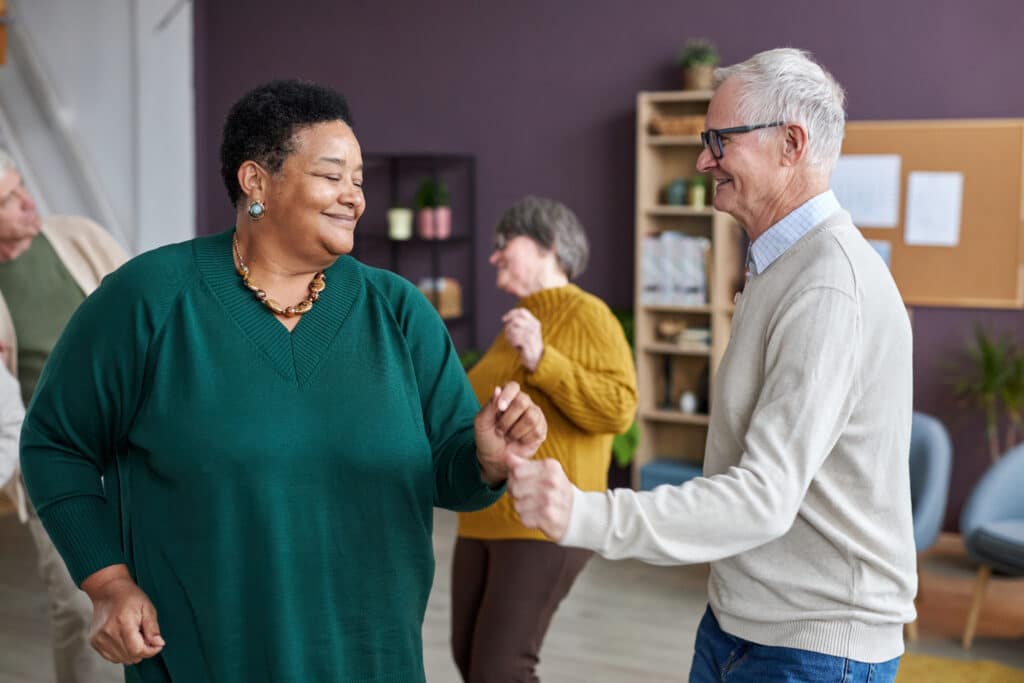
{"x":712,"y":138}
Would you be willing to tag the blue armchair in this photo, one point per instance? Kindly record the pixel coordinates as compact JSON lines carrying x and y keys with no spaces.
{"x":931,"y":462}
{"x":992,"y":525}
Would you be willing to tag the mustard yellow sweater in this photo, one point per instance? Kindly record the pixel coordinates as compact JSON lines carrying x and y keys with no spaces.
{"x":585,"y":383}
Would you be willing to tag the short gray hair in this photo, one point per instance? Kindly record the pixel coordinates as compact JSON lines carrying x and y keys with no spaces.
{"x":786,"y":84}
{"x":7,"y":162}
{"x":553,"y":226}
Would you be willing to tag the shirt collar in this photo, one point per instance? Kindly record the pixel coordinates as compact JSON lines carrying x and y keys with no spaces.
{"x":774,"y":242}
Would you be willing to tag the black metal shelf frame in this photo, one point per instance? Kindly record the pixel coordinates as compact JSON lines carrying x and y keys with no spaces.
{"x":402,"y":165}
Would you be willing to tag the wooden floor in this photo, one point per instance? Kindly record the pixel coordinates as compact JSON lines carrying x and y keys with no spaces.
{"x":623,"y":621}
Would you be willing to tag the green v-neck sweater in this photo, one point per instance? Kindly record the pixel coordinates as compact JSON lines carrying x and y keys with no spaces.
{"x":271,"y":492}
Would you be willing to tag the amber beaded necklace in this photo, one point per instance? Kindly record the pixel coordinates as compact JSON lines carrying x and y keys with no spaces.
{"x":316,"y":285}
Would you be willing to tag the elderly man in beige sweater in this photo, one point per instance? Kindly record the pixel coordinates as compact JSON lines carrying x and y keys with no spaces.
{"x":804,"y":507}
{"x":47,"y":268}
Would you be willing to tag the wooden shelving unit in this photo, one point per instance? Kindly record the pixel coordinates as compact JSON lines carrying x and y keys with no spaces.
{"x":666,"y":369}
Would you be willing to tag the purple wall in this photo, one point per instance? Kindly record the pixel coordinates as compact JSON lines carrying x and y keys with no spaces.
{"x":543,"y":93}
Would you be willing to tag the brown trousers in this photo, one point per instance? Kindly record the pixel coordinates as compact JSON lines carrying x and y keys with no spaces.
{"x":504,"y":594}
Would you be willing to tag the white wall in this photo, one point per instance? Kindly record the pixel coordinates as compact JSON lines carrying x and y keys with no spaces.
{"x":111,"y":134}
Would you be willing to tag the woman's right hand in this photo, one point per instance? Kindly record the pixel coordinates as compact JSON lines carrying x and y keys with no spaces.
{"x":124,"y":626}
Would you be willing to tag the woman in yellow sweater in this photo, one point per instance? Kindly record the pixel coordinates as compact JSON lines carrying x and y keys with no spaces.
{"x":569,"y":353}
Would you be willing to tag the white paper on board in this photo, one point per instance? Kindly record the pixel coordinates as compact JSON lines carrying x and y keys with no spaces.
{"x":868,"y":186}
{"x":934,"y":201}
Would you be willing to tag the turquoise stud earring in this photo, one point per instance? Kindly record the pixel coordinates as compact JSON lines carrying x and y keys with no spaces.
{"x":256,"y":210}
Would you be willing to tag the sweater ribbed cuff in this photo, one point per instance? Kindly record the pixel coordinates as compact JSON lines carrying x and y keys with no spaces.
{"x":552,"y":369}
{"x":471,"y":491}
{"x":82,"y":529}
{"x":588,"y":520}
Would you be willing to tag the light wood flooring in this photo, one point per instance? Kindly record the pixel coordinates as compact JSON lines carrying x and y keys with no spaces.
{"x":623,"y":621}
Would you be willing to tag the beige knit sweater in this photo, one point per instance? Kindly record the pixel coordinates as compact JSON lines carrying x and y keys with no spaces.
{"x":804,"y":509}
{"x":89,"y":253}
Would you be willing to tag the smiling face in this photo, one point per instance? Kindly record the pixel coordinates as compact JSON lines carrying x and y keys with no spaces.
{"x":750,"y":177}
{"x":19,"y":218}
{"x":523,"y":266}
{"x":317,"y":196}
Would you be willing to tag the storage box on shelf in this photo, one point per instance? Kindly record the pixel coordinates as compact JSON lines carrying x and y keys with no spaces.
{"x":688,"y":270}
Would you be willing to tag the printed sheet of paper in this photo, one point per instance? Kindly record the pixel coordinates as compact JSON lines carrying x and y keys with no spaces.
{"x":868,"y":186}
{"x":934,"y":201}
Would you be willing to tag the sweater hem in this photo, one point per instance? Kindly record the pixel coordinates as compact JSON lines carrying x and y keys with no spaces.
{"x":850,"y":639}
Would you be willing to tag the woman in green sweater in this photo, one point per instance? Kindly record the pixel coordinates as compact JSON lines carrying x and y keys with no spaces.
{"x":570,"y":354}
{"x":262,"y":474}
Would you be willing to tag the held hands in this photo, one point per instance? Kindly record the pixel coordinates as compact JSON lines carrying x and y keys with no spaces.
{"x":522,"y":330}
{"x":543,"y":496}
{"x":124,"y":627}
{"x":509,"y":427}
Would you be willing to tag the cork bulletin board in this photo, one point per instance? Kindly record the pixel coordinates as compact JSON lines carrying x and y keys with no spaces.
{"x":985,"y":268}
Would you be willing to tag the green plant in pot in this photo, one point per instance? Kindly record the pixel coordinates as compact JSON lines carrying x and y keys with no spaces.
{"x":992,"y":379}
{"x":698,"y":60}
{"x":624,"y":445}
{"x":433,"y":215}
{"x":698,"y":193}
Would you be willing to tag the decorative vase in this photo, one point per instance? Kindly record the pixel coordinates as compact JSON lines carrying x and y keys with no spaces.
{"x":442,"y":222}
{"x":697,"y":196}
{"x":425,"y":223}
{"x":399,"y":223}
{"x":698,"y":77}
{"x":675,"y":192}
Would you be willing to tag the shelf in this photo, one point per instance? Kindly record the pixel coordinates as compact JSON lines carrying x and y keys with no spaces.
{"x":666,"y":308}
{"x":678,"y":96}
{"x":464,"y":318}
{"x":675,"y":417}
{"x":439,"y":162}
{"x":666,"y":210}
{"x":677,"y":350}
{"x":676,"y":140}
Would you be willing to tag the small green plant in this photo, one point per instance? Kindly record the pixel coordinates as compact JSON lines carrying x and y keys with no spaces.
{"x":624,"y":445}
{"x":699,"y":181}
{"x":993,"y":379}
{"x":469,"y":358}
{"x":431,"y":193}
{"x":698,"y":52}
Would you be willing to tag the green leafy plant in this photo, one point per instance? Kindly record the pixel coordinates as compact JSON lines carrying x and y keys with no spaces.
{"x":699,"y":180}
{"x":469,"y":358}
{"x":431,"y":193}
{"x":992,"y":379}
{"x":624,"y":445}
{"x":698,"y":52}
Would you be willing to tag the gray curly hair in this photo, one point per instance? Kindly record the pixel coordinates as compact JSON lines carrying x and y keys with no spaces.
{"x":553,"y":226}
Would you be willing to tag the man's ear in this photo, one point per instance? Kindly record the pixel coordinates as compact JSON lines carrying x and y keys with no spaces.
{"x":794,"y":144}
{"x":252,"y":178}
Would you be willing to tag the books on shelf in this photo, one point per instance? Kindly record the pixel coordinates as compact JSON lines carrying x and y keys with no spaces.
{"x":674,"y":269}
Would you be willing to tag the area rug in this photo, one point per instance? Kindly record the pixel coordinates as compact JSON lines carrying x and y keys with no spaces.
{"x":927,"y":669}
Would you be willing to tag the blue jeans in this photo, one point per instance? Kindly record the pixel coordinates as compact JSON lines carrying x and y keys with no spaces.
{"x":721,"y":658}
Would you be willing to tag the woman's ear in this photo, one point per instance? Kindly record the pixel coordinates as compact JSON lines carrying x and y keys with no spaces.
{"x":794,"y":144}
{"x":252,"y":178}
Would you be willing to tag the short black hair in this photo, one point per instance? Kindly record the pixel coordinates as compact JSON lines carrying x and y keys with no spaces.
{"x":261,"y":125}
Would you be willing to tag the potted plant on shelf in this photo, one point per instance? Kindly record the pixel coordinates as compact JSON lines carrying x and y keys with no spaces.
{"x":433,"y":215}
{"x":698,"y":60}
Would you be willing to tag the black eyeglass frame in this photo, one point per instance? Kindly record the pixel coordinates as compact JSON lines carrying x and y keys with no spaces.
{"x":711,"y":138}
